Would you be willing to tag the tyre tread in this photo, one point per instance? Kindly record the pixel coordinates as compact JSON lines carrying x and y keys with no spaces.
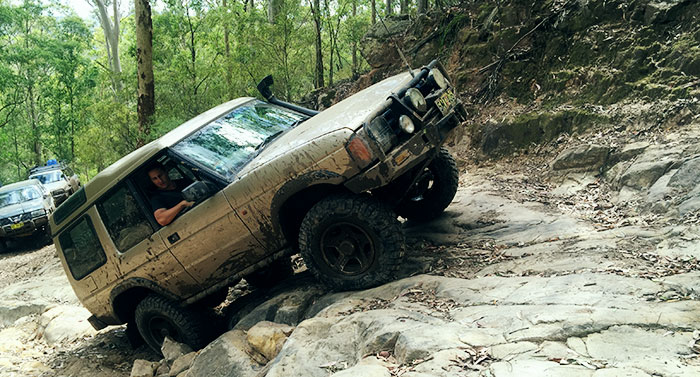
{"x":381,"y":219}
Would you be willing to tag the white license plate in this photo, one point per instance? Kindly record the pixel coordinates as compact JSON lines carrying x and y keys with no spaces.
{"x":16,"y":226}
{"x":445,"y":102}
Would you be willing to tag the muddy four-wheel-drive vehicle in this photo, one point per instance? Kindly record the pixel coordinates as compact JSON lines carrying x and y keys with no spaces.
{"x":24,"y":211}
{"x":59,"y":179}
{"x":268,"y":179}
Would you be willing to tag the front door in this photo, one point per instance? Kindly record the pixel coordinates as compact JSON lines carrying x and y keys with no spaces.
{"x":210,"y":241}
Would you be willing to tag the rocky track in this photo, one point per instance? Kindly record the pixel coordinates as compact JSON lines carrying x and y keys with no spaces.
{"x":530,"y":271}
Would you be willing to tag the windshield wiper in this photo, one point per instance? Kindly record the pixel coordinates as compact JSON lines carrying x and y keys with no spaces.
{"x":269,"y":139}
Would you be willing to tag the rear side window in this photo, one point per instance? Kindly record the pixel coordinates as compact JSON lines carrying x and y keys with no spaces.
{"x":82,"y":248}
{"x":124,"y":218}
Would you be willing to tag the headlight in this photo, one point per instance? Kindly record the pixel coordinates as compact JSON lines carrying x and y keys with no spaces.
{"x":415,"y":97}
{"x":406,"y":124}
{"x":38,"y":213}
{"x":439,"y":78}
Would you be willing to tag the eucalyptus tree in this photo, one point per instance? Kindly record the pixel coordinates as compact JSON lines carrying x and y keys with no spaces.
{"x":73,"y":77}
{"x":318,"y":72}
{"x":111,"y":30}
{"x":144,"y":53}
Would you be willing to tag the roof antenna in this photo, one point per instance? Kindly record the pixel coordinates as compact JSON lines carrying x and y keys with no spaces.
{"x":410,"y":70}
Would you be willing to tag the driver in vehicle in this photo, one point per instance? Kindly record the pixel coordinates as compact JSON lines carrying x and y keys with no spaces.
{"x":167,"y":201}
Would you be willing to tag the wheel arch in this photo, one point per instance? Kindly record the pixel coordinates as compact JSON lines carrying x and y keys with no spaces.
{"x":129,"y":293}
{"x":294,"y":199}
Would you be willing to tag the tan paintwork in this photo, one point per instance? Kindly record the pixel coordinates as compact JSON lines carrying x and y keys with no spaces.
{"x":234,"y":230}
{"x":348,"y":113}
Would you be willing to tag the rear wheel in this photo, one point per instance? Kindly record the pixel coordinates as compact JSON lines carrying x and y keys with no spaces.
{"x":157,"y":317}
{"x":351,"y":242}
{"x":433,"y":191}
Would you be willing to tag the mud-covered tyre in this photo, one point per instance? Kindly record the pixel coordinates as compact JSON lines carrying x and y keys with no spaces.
{"x":157,"y":317}
{"x":269,"y":276}
{"x":433,"y":191}
{"x":351,"y":242}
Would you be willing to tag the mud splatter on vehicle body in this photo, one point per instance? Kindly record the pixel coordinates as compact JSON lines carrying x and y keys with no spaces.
{"x":267,"y":179}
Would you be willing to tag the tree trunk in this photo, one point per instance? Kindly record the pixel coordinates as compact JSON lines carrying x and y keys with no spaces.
{"x":404,"y":6}
{"x":273,"y":8}
{"x":34,"y":120}
{"x":111,"y":33}
{"x":318,"y":74}
{"x":389,"y":10}
{"x":374,"y":12}
{"x":422,"y":6}
{"x":144,"y":57}
{"x":354,"y":43}
{"x":227,"y":50}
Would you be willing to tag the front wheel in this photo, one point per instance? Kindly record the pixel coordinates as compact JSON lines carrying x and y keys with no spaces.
{"x":433,"y":191}
{"x":351,"y":242}
{"x":157,"y":317}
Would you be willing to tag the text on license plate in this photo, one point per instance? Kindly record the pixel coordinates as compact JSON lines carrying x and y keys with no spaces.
{"x":445,"y":102}
{"x":16,"y":226}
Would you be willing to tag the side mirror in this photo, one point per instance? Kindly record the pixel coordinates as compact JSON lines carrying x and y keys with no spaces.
{"x":198,"y":191}
{"x":264,"y":87}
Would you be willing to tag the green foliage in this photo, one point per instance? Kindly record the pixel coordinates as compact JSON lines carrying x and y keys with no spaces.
{"x":57,"y":93}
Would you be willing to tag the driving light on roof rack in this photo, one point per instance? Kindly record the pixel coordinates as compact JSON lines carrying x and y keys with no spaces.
{"x":439,"y":78}
{"x":415,"y":97}
{"x":406,"y":124}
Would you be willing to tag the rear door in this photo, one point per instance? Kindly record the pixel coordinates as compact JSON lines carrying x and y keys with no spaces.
{"x":139,"y":251}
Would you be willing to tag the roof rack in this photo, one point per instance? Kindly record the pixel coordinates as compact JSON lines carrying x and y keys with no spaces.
{"x":38,"y":169}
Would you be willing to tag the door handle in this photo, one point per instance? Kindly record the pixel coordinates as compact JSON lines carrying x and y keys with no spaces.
{"x":174,"y":238}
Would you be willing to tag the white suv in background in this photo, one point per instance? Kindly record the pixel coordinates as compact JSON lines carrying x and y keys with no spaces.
{"x":60,"y":180}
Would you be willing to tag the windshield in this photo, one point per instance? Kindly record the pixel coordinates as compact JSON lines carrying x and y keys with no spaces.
{"x":47,"y":177}
{"x":18,"y":196}
{"x":229,"y":142}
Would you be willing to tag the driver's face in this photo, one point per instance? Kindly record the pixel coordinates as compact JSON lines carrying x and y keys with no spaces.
{"x":159,"y":178}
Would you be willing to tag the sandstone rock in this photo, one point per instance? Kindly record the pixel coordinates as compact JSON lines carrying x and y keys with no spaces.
{"x":511,"y":350}
{"x":288,"y":308}
{"x":367,"y":367}
{"x":163,"y":369}
{"x":64,"y":323}
{"x":421,"y":342}
{"x":642,"y":175}
{"x":659,"y":11}
{"x":143,"y":368}
{"x":227,"y":356}
{"x":12,"y":310}
{"x":687,"y":175}
{"x":689,"y":206}
{"x":172,"y":350}
{"x":584,"y":157}
{"x":648,"y":350}
{"x":628,"y":152}
{"x":12,"y":340}
{"x":268,"y":337}
{"x":182,"y":363}
{"x":518,"y":368}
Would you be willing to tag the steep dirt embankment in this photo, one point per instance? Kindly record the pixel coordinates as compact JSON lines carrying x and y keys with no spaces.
{"x":534,"y":70}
